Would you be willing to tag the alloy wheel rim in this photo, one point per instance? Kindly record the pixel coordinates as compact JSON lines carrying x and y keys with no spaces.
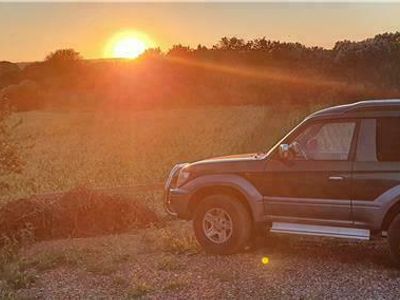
{"x":217,"y":225}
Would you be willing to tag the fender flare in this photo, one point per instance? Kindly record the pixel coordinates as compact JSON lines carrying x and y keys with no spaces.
{"x":390,"y":201}
{"x":250,"y":193}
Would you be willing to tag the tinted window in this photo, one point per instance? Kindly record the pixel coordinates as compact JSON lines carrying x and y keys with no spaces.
{"x":325,"y":141}
{"x":388,"y":139}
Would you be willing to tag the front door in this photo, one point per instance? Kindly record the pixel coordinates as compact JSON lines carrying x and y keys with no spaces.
{"x":314,"y":184}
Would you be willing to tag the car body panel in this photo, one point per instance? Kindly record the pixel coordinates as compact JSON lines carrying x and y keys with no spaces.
{"x":375,"y":184}
{"x":304,"y":189}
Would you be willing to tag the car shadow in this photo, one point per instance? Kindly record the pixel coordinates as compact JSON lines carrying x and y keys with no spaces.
{"x":343,"y":251}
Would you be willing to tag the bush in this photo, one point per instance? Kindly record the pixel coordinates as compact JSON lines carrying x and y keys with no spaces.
{"x":23,"y":96}
{"x":78,"y":213}
{"x":9,"y":73}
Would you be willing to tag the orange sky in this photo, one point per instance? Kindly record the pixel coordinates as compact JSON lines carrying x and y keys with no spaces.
{"x":29,"y":31}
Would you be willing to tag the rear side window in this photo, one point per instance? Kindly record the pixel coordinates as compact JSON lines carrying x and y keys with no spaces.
{"x":388,"y":139}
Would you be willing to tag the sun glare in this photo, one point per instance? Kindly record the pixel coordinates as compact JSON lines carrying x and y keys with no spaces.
{"x":128,"y":48}
{"x":128,"y":44}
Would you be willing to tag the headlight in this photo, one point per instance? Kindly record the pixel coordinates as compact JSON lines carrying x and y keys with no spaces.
{"x":182,"y":178}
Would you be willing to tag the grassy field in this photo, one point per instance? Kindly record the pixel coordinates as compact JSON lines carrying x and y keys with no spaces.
{"x":103,"y":149}
{"x":65,"y":150}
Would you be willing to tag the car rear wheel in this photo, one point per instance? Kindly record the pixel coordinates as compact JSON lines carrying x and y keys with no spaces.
{"x":222,"y":224}
{"x":394,"y":240}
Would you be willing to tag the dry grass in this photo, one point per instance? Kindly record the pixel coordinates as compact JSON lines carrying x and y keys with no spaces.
{"x":14,"y":273}
{"x":169,"y":263}
{"x":69,"y":149}
{"x":22,"y":265}
{"x":140,"y":290}
{"x":177,"y":238}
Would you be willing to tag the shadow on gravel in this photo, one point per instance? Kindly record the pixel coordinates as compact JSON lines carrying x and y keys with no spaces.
{"x":373,"y":252}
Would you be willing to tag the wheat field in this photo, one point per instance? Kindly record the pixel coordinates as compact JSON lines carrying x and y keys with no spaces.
{"x":63,"y":150}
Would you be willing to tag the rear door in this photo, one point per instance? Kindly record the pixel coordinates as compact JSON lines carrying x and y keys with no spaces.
{"x":376,"y":168}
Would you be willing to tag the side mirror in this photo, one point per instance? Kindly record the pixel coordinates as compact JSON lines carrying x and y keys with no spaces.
{"x":284,"y":151}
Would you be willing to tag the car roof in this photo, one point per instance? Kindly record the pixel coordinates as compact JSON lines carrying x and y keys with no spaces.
{"x":370,"y":108}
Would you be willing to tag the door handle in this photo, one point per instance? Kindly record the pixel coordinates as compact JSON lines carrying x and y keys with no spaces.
{"x":336,"y":178}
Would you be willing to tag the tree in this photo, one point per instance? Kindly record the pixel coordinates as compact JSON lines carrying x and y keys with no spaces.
{"x":63,"y":68}
{"x":63,"y":62}
{"x":63,"y":57}
{"x":232,"y":43}
{"x":151,"y":52}
{"x":201,"y":48}
{"x":262,"y":44}
{"x":375,"y":59}
{"x":180,"y":51}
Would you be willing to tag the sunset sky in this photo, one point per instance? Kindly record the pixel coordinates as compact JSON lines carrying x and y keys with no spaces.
{"x":29,"y":31}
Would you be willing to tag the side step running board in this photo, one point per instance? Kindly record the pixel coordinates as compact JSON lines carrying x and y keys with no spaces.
{"x":304,"y":229}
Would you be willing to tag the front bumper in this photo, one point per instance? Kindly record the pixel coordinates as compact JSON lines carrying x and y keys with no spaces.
{"x":176,"y":201}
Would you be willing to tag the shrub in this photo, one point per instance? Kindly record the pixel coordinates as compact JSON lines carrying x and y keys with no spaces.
{"x":78,"y":213}
{"x":23,"y":96}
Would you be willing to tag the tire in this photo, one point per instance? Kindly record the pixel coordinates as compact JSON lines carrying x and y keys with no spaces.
{"x":211,"y":224}
{"x":394,"y":240}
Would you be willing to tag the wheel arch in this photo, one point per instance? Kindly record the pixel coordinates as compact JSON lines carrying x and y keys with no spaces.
{"x":231,"y":184}
{"x":391,"y":213}
{"x":203,"y":192}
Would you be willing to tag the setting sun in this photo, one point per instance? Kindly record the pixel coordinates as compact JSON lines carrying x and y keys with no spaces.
{"x":128,"y":44}
{"x":128,"y":48}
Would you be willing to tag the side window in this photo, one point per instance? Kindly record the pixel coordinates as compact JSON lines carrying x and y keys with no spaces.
{"x":325,"y":141}
{"x":388,"y":139}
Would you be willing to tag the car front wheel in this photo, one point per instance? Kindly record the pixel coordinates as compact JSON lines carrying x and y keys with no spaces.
{"x":222,"y":224}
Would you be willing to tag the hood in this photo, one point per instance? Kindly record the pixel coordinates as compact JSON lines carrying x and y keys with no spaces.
{"x":231,"y":158}
{"x":230,"y":163}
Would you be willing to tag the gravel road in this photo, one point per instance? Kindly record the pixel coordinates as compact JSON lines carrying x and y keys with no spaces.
{"x":298,"y":268}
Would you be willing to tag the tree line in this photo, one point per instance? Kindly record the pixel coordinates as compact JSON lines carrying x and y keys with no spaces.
{"x":233,"y":71}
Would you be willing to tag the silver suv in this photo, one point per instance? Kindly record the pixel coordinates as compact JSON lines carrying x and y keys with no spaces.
{"x":336,"y":174}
